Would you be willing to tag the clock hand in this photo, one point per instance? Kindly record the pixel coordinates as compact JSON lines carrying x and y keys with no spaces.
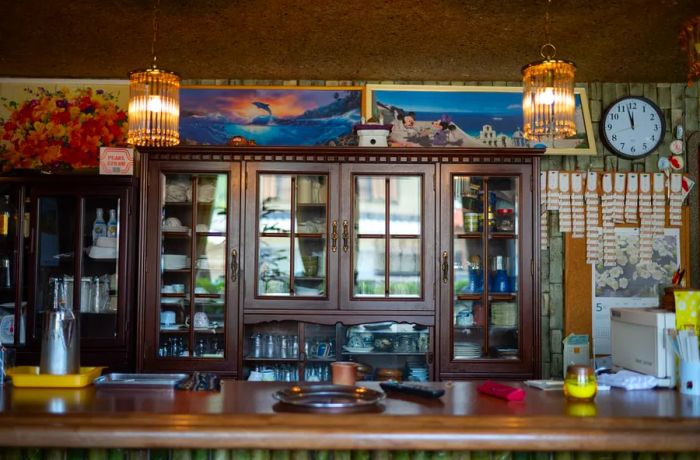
{"x":629,"y":112}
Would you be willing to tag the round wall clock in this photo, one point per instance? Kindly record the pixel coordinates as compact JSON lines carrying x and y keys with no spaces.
{"x":632,"y":127}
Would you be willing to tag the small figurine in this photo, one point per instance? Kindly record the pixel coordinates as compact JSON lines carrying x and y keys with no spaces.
{"x":373,"y":132}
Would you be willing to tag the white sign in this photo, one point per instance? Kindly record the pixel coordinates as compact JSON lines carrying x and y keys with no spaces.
{"x":117,"y":161}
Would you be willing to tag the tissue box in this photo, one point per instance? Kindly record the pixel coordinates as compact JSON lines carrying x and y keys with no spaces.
{"x":575,"y":350}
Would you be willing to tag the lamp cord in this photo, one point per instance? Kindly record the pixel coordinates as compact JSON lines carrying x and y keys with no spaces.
{"x":155,"y":31}
{"x":547,"y":50}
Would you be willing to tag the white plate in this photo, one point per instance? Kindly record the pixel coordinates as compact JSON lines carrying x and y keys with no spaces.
{"x":171,"y":327}
{"x":357,"y":349}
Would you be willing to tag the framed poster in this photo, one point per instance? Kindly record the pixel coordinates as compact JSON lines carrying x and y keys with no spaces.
{"x":630,"y":283}
{"x":56,"y":124}
{"x":284,"y":115}
{"x":467,"y":116}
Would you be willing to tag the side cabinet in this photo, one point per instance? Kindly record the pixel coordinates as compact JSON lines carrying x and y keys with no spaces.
{"x":68,"y":240}
{"x":488,"y":283}
{"x":192,"y":267}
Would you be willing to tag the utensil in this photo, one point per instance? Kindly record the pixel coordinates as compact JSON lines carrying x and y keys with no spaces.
{"x":60,"y":352}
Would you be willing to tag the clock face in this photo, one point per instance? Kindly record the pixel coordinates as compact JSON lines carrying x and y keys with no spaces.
{"x":632,"y":127}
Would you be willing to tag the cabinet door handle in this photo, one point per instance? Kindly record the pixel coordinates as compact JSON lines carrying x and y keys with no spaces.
{"x":234,"y":265}
{"x":445,"y":267}
{"x":334,"y":236}
{"x":346,"y":235}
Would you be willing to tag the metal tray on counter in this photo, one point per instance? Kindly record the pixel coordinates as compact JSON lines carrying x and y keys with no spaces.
{"x":133,"y":381}
{"x":328,"y":396}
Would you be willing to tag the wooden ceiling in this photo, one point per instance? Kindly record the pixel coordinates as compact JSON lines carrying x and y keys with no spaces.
{"x":406,"y":40}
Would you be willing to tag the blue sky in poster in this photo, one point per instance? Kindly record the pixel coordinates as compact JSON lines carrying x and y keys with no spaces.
{"x":485,"y":103}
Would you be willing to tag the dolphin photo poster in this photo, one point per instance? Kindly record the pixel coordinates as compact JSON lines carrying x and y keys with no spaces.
{"x":467,"y":116}
{"x":219,"y":115}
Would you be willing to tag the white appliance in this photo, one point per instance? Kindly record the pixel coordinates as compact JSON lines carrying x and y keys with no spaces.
{"x":639,"y":342}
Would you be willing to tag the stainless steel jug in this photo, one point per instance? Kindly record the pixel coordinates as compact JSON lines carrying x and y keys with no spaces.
{"x":60,"y":346}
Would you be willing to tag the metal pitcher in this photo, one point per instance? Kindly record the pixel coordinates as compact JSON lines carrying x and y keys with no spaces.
{"x":60,"y":347}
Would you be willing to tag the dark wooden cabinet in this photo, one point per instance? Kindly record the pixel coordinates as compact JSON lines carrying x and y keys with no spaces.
{"x":326,"y":236}
{"x":70,"y":241}
{"x":191,"y":266}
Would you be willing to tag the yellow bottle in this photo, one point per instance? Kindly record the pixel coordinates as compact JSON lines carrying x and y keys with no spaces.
{"x":580,"y":383}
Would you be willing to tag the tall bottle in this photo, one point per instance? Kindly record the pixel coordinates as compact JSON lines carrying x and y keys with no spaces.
{"x":5,"y":215}
{"x":112,"y":224}
{"x":99,"y":227}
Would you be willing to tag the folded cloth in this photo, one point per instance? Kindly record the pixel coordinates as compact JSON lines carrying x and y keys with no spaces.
{"x":628,"y":380}
{"x":200,"y":381}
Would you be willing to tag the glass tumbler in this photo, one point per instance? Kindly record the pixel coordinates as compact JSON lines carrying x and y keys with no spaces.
{"x":580,"y":383}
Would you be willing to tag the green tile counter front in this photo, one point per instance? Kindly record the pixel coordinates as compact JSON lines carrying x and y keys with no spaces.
{"x":243,"y":421}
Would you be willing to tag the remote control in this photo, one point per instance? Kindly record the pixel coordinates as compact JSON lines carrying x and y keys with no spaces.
{"x":412,"y":389}
{"x":501,"y":391}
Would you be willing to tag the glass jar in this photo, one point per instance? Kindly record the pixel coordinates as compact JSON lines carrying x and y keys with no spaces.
{"x":580,"y":383}
{"x":505,"y":221}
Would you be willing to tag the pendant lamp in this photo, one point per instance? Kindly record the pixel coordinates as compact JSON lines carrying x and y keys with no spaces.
{"x":154,"y":102}
{"x":549,"y":106}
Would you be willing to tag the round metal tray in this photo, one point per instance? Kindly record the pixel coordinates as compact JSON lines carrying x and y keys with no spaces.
{"x":328,"y":396}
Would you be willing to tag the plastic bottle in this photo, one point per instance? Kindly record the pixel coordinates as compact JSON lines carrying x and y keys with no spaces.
{"x":99,"y":227}
{"x":112,"y":224}
{"x":5,"y":216}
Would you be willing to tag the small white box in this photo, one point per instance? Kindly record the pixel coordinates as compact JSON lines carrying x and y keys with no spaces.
{"x":575,"y":350}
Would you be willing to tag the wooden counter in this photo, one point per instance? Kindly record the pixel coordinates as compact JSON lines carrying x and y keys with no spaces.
{"x":244,"y":415}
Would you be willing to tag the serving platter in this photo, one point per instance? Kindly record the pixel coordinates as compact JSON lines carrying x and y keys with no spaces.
{"x":328,"y":396}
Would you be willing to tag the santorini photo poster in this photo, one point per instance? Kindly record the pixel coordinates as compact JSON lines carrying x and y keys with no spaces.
{"x":467,"y":116}
{"x":271,"y":116}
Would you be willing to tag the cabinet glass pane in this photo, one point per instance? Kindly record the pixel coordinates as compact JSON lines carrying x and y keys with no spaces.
{"x":468,"y":201}
{"x":467,"y":265}
{"x":9,"y":258}
{"x":194,"y":265}
{"x":97,"y":293}
{"x":404,"y":267}
{"x":275,"y":203}
{"x":273,"y":266}
{"x":369,"y":267}
{"x":211,"y":203}
{"x":503,"y":205}
{"x":271,"y":351}
{"x":310,"y":266}
{"x":56,"y":227}
{"x":370,"y":205}
{"x":405,"y":205}
{"x":388,"y":351}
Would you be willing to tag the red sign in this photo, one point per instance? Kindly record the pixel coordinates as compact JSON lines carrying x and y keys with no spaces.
{"x":117,"y":161}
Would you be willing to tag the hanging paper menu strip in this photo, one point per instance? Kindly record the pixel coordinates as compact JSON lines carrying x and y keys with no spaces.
{"x":553,"y":191}
{"x":675,"y":191}
{"x":593,"y":253}
{"x":577,"y":207}
{"x":632,"y":198}
{"x":646,"y":218}
{"x":618,"y":198}
{"x":659,"y":203}
{"x":544,"y":234}
{"x":564,"y":202}
{"x":609,"y":211}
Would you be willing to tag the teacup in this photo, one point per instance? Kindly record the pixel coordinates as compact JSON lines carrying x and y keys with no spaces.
{"x":178,"y":288}
{"x":200,"y":319}
{"x":167,"y":318}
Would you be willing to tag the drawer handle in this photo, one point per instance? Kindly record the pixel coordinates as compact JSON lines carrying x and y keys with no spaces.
{"x":445,"y":267}
{"x":234,"y":265}
{"x":346,"y":235}
{"x":334,"y":236}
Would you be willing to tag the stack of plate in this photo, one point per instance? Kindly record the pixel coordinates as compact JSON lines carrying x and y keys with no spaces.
{"x":467,"y":350}
{"x":417,"y":371}
{"x":504,"y":314}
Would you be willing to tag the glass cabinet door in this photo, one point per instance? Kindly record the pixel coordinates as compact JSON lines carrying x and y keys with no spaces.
{"x":79,"y":246}
{"x":292,"y":237}
{"x":481,"y":259}
{"x":194,"y":264}
{"x":14,"y":238}
{"x":385,"y":238}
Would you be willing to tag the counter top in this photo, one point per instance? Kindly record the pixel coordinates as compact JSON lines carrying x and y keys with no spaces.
{"x":245,"y":415}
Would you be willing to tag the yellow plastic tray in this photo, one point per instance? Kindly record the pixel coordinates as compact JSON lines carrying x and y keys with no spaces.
{"x":29,"y":377}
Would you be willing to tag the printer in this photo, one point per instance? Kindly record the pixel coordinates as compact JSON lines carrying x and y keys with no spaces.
{"x":639,"y":342}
